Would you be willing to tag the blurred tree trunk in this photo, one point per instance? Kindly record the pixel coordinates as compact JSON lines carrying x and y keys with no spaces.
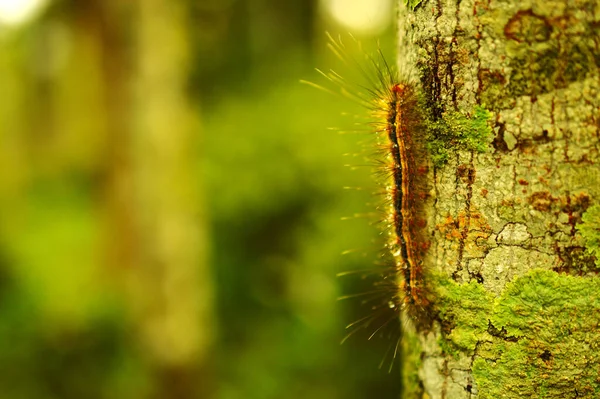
{"x":515,"y":289}
{"x":174,"y":281}
{"x":156,"y":226}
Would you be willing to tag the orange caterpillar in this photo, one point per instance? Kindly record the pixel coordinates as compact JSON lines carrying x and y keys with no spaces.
{"x":402,"y":160}
{"x":407,"y":193}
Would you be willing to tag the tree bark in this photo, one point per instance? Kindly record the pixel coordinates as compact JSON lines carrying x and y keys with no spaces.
{"x":515,"y":291}
{"x":172,"y":288}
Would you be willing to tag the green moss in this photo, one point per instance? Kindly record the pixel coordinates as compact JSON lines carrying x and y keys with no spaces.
{"x":590,"y":230}
{"x":457,"y":131}
{"x":471,"y":132}
{"x":411,"y":363}
{"x":412,"y":4}
{"x":464,"y":309}
{"x":551,"y":348}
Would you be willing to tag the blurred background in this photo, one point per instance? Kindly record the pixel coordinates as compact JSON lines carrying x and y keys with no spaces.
{"x":171,"y":201}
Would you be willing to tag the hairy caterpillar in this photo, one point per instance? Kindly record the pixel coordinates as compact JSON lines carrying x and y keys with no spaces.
{"x":401,"y":159}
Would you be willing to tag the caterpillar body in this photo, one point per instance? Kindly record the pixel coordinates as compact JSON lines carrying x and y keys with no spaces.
{"x":402,"y":164}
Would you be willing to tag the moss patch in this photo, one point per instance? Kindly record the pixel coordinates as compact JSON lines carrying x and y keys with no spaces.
{"x":412,"y":4}
{"x":551,"y":348}
{"x":590,"y":230}
{"x":464,"y":310}
{"x":457,"y":131}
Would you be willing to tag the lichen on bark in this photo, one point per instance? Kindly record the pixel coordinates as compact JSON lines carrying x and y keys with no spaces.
{"x":513,"y":278}
{"x":551,"y":344}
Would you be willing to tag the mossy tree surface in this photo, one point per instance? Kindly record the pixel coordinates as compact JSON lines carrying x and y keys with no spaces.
{"x":512,"y":272}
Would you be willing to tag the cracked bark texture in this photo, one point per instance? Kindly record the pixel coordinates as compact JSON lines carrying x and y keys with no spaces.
{"x":517,"y":308}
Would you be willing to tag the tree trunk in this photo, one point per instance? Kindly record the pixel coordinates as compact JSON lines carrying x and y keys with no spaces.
{"x":514,"y":286}
{"x":158,"y":237}
{"x":173,"y":285}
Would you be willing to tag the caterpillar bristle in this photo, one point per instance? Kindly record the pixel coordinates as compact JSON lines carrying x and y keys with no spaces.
{"x":398,"y":158}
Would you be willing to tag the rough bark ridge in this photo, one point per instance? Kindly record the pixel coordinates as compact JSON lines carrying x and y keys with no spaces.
{"x":517,"y":296}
